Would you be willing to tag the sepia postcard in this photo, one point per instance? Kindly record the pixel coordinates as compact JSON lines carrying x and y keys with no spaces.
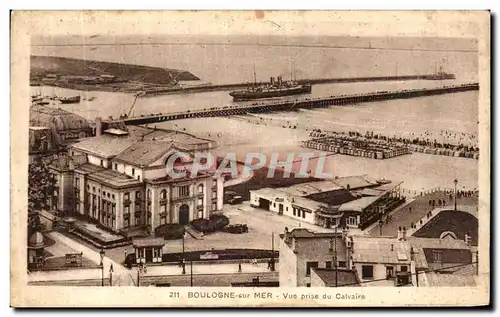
{"x":250,"y":158}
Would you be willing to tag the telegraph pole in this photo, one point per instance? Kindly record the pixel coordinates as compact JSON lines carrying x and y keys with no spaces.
{"x":272,"y":255}
{"x":191,"y":273}
{"x":335,"y":258}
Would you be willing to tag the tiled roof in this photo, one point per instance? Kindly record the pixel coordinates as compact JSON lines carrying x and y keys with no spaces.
{"x":144,"y":152}
{"x":88,"y":168}
{"x":185,"y":141}
{"x":380,"y":250}
{"x":112,"y":178}
{"x":340,"y":278}
{"x":105,"y":146}
{"x":358,"y":204}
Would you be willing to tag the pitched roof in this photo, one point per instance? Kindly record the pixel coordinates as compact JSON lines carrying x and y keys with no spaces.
{"x":380,"y":250}
{"x":309,"y":188}
{"x":115,"y":179}
{"x":183,"y":140}
{"x":64,"y":162}
{"x":144,"y":152}
{"x":334,"y":198}
{"x":358,"y":204}
{"x":354,"y":182}
{"x":458,"y":222}
{"x":105,"y":146}
{"x":340,"y":278}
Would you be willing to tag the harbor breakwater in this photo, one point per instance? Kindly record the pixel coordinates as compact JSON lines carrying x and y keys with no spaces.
{"x":292,"y":105}
{"x":206,"y":88}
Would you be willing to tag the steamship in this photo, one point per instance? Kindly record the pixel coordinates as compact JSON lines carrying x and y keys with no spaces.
{"x":274,"y":88}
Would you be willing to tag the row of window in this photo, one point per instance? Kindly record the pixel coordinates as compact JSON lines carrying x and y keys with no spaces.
{"x":298,"y":212}
{"x":367,"y":271}
{"x":104,"y":193}
{"x":328,"y":265}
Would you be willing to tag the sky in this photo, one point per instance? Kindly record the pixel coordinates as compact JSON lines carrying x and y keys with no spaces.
{"x":282,"y":23}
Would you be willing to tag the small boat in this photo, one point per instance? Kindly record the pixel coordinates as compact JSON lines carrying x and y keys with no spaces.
{"x":74,"y":99}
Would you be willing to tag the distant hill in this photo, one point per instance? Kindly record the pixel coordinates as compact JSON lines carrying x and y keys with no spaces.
{"x":43,"y":65}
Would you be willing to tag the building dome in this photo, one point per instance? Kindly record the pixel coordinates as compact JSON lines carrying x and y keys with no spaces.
{"x":60,"y":120}
{"x":66,"y":127}
{"x":36,"y":241}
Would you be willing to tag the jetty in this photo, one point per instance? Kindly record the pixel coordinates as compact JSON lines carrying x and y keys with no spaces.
{"x":151,"y":92}
{"x":290,"y":105}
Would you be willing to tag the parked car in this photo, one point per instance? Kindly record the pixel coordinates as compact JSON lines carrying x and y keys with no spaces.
{"x":235,"y":200}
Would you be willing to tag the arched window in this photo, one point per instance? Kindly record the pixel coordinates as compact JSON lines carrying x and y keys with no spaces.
{"x":200,"y":189}
{"x":149,"y":194}
{"x":45,"y":145}
{"x":163,"y":194}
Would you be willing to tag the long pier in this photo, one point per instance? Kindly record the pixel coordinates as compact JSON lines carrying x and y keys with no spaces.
{"x":206,"y":88}
{"x":290,"y":105}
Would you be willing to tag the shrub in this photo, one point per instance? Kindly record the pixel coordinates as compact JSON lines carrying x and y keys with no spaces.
{"x":214,"y":223}
{"x":170,"y":231}
{"x":220,"y":221}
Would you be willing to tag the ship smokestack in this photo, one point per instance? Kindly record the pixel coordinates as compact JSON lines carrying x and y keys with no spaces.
{"x":279,"y":80}
{"x":272,"y":80}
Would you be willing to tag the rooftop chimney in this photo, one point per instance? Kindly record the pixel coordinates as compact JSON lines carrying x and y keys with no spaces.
{"x":400,"y":233}
{"x":98,"y":126}
{"x":392,"y":247}
{"x":404,"y":234}
{"x":468,"y":239}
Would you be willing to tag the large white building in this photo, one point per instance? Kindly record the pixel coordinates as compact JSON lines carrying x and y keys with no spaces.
{"x":120,"y":180}
{"x":352,"y":202}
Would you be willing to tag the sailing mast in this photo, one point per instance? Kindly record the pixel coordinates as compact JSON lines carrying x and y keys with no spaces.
{"x":254,"y":76}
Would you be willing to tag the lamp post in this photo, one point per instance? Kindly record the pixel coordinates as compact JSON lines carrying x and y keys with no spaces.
{"x":380,"y":224}
{"x":455,"y":182}
{"x":125,"y":255}
{"x":183,"y":255}
{"x":102,"y":253}
{"x":111,"y":275}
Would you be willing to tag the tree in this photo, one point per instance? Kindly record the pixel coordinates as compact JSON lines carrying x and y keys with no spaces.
{"x":41,"y":186}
